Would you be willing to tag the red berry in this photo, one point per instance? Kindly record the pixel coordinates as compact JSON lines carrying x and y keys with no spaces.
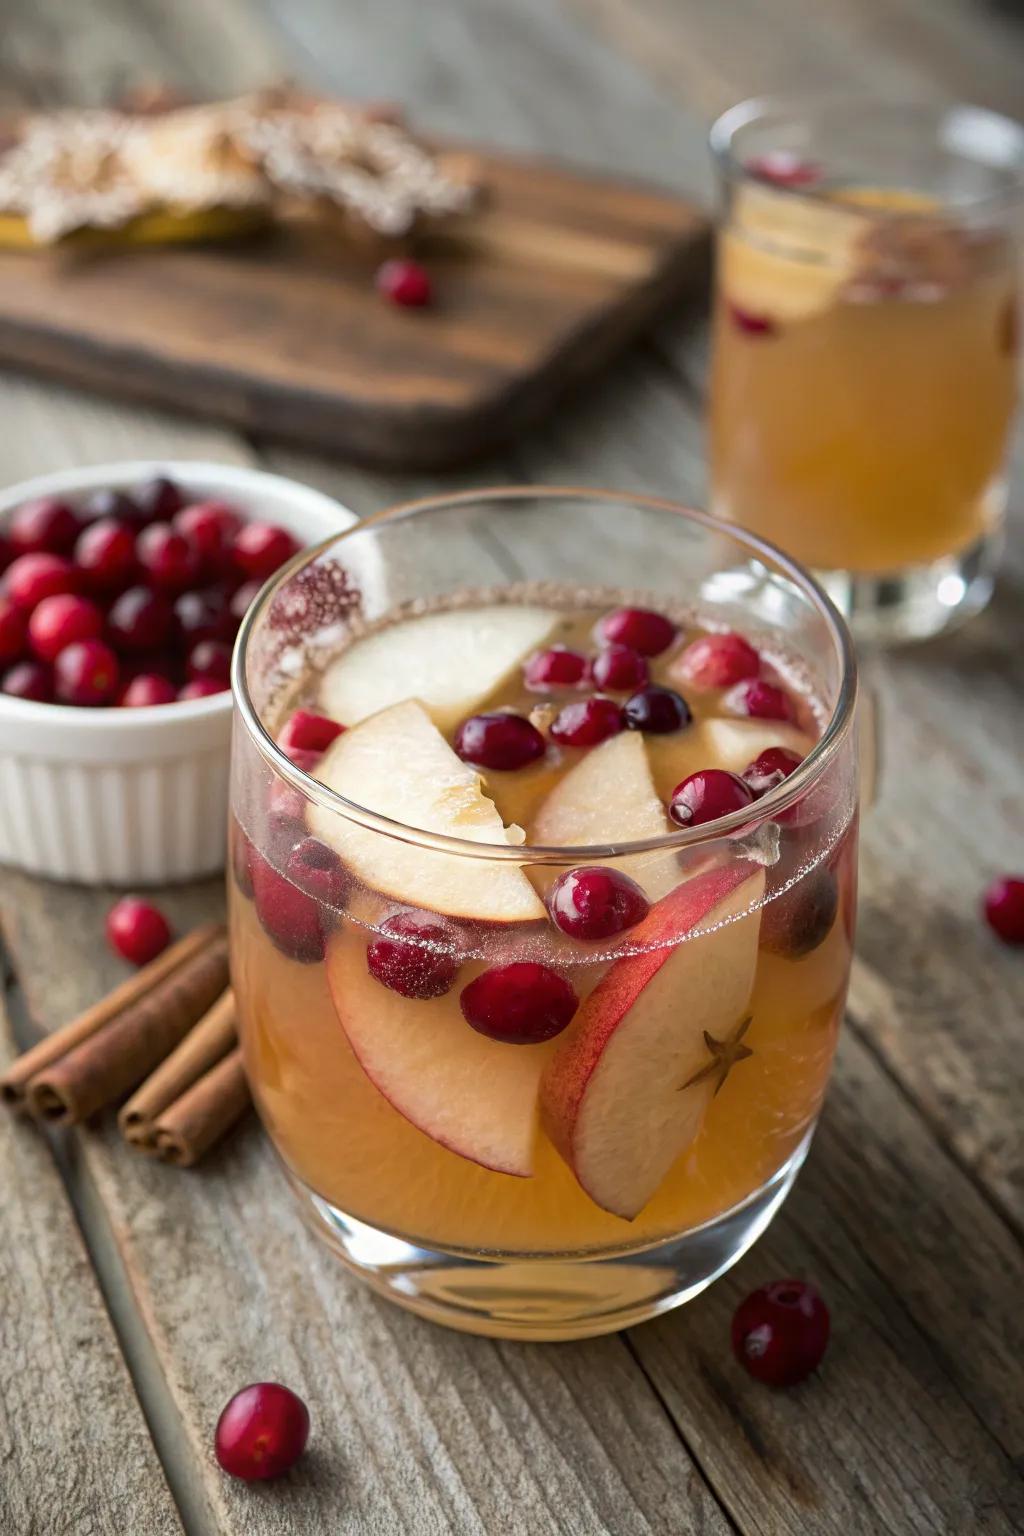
{"x":1004,"y":908}
{"x":28,"y":680}
{"x":46,"y":526}
{"x":770,"y":769}
{"x":157,"y":500}
{"x":780,"y":1332}
{"x":203,"y":616}
{"x":751,"y":324}
{"x":519,"y":1004}
{"x":107,"y":505}
{"x":243,"y":598}
{"x":640,"y":628}
{"x":717,"y":661}
{"x":210,"y":527}
{"x":105,"y":554}
{"x":595,"y":903}
{"x":201,"y":688}
{"x":86,"y":673}
{"x":139,"y":620}
{"x":798,"y":919}
{"x":318,"y":871}
{"x":619,"y":668}
{"x":404,"y":282}
{"x":585,"y":722}
{"x":759,"y":700}
{"x":146,"y":689}
{"x":210,"y":659}
{"x":260,"y":549}
{"x":556,"y":668}
{"x":6,"y":552}
{"x":262,"y":1432}
{"x":32,"y":577}
{"x":308,"y":732}
{"x":12,"y":630}
{"x":166,"y":557}
{"x":657,"y":710}
{"x":785,"y":169}
{"x":413,"y":954}
{"x":502,"y":741}
{"x":59,"y":621}
{"x":707,"y":795}
{"x":290,"y":916}
{"x":137,"y":931}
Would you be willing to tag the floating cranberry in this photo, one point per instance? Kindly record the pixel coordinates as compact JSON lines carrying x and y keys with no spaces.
{"x":146,"y":689}
{"x":657,"y":710}
{"x":59,"y":621}
{"x":290,"y":917}
{"x":317,"y":870}
{"x":139,"y":620}
{"x":519,"y":1004}
{"x":717,"y":661}
{"x":1004,"y":908}
{"x":784,"y":168}
{"x":641,"y":629}
{"x":12,"y":630}
{"x":619,"y":668}
{"x":243,"y":598}
{"x":136,"y":930}
{"x":707,"y":795}
{"x":46,"y":526}
{"x":166,"y":557}
{"x":555,"y":668}
{"x":157,"y":500}
{"x":413,"y":954}
{"x":759,"y":700}
{"x":86,"y":673}
{"x":595,"y":902}
{"x":105,"y":555}
{"x":32,"y":577}
{"x":770,"y":769}
{"x":260,"y":549}
{"x":28,"y":680}
{"x":262,"y":1432}
{"x":210,"y":527}
{"x":586,"y":722}
{"x":750,"y":324}
{"x":201,"y":688}
{"x":307,"y":731}
{"x":203,"y":616}
{"x":500,"y":741}
{"x":210,"y":659}
{"x":405,"y":283}
{"x":780,"y":1332}
{"x":111,"y":505}
{"x":797,"y":920}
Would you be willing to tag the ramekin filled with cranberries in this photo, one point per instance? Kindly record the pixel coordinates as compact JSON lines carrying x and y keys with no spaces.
{"x":121,"y":589}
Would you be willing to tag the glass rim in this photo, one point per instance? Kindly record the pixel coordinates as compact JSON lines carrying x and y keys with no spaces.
{"x":725,"y":128}
{"x":792,"y":789}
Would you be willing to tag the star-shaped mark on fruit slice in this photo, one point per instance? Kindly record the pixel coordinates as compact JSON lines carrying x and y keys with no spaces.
{"x":724,"y":1056}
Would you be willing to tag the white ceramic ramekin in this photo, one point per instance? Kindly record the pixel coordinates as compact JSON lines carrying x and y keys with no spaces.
{"x":134,"y":796}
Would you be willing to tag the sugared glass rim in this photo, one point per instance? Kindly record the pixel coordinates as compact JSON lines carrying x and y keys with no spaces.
{"x":821,"y":755}
{"x":725,"y":129}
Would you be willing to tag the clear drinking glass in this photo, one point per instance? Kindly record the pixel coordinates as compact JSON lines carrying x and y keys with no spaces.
{"x":866,"y":347}
{"x":413,"y":1143}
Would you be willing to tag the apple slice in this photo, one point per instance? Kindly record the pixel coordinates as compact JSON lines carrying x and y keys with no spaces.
{"x":471,"y":1094}
{"x":626,"y":1090}
{"x":733,"y":744}
{"x":398,"y":764}
{"x":451,"y":661}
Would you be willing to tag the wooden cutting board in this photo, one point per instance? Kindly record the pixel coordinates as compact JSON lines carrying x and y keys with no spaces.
{"x":284,"y":334}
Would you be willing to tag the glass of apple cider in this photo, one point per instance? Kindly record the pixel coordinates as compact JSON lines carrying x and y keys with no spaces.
{"x":866,"y":347}
{"x":542,"y":891}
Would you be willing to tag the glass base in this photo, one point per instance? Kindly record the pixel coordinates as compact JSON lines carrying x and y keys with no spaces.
{"x":919,"y":602}
{"x":548,"y":1298}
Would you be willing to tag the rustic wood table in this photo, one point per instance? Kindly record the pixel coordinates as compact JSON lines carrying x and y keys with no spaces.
{"x":135,"y":1298}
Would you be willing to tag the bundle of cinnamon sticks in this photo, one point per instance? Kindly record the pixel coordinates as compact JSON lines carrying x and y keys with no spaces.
{"x":169,"y":1033}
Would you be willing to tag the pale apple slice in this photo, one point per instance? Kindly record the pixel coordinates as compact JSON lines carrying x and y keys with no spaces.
{"x":626,"y":1090}
{"x":470,"y":1094}
{"x":733,"y":744}
{"x":785,"y":258}
{"x":452,"y":662}
{"x":398,"y":764}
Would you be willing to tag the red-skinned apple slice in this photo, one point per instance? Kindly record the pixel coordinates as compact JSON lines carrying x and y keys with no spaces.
{"x":624,"y":1095}
{"x":475,"y":1096}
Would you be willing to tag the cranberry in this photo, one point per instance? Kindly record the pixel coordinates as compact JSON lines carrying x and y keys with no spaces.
{"x":136,"y":930}
{"x":318,"y":871}
{"x":759,"y":700}
{"x":413,"y":954}
{"x":260,"y":549}
{"x":203,"y":616}
{"x":797,"y":920}
{"x":47,"y":526}
{"x":166,"y":557}
{"x":717,"y":661}
{"x":519,"y":1004}
{"x":640,"y":628}
{"x":105,"y":554}
{"x":59,"y":621}
{"x":750,"y":324}
{"x":86,"y":673}
{"x":404,"y":282}
{"x":289,"y":915}
{"x":585,"y":722}
{"x":32,"y":577}
{"x":658,"y":710}
{"x":6,"y":552}
{"x":106,"y":505}
{"x":158,"y":500}
{"x":785,"y":168}
{"x":28,"y":680}
{"x":619,"y":668}
{"x":210,"y":527}
{"x":12,"y":630}
{"x":139,"y":620}
{"x":201,"y":688}
{"x":243,"y":598}
{"x":770,"y":769}
{"x":780,"y":1332}
{"x":210,"y":659}
{"x":262,"y":1432}
{"x":595,"y":903}
{"x":146,"y":689}
{"x":502,"y":741}
{"x":555,"y":668}
{"x":308,"y":732}
{"x":1004,"y":908}
{"x":707,"y":795}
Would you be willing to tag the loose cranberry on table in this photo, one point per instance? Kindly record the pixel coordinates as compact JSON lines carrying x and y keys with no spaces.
{"x":209,"y":659}
{"x":595,"y":903}
{"x":499,"y":741}
{"x":1004,"y":908}
{"x":405,"y":283}
{"x":210,"y":527}
{"x":167,"y":558}
{"x":47,"y":525}
{"x":770,"y":769}
{"x":555,"y":668}
{"x":86,"y":673}
{"x":32,"y":577}
{"x":59,"y":621}
{"x":146,"y":689}
{"x":259,"y":549}
{"x":136,"y":930}
{"x":261,"y":1432}
{"x":717,"y":661}
{"x":619,"y":668}
{"x":139,"y":620}
{"x":656,"y":710}
{"x":201,"y":688}
{"x":642,"y":629}
{"x":759,"y":701}
{"x":780,"y":1332}
{"x":307,"y":731}
{"x":28,"y":680}
{"x":105,"y":555}
{"x":414,"y":955}
{"x":523,"y":1003}
{"x":707,"y":795}
{"x":13,"y":631}
{"x":586,"y":722}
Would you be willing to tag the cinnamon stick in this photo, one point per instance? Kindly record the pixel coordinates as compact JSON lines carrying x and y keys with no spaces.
{"x":117,"y":1057}
{"x":190,"y":1126}
{"x":15,"y":1081}
{"x":205,"y":1044}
